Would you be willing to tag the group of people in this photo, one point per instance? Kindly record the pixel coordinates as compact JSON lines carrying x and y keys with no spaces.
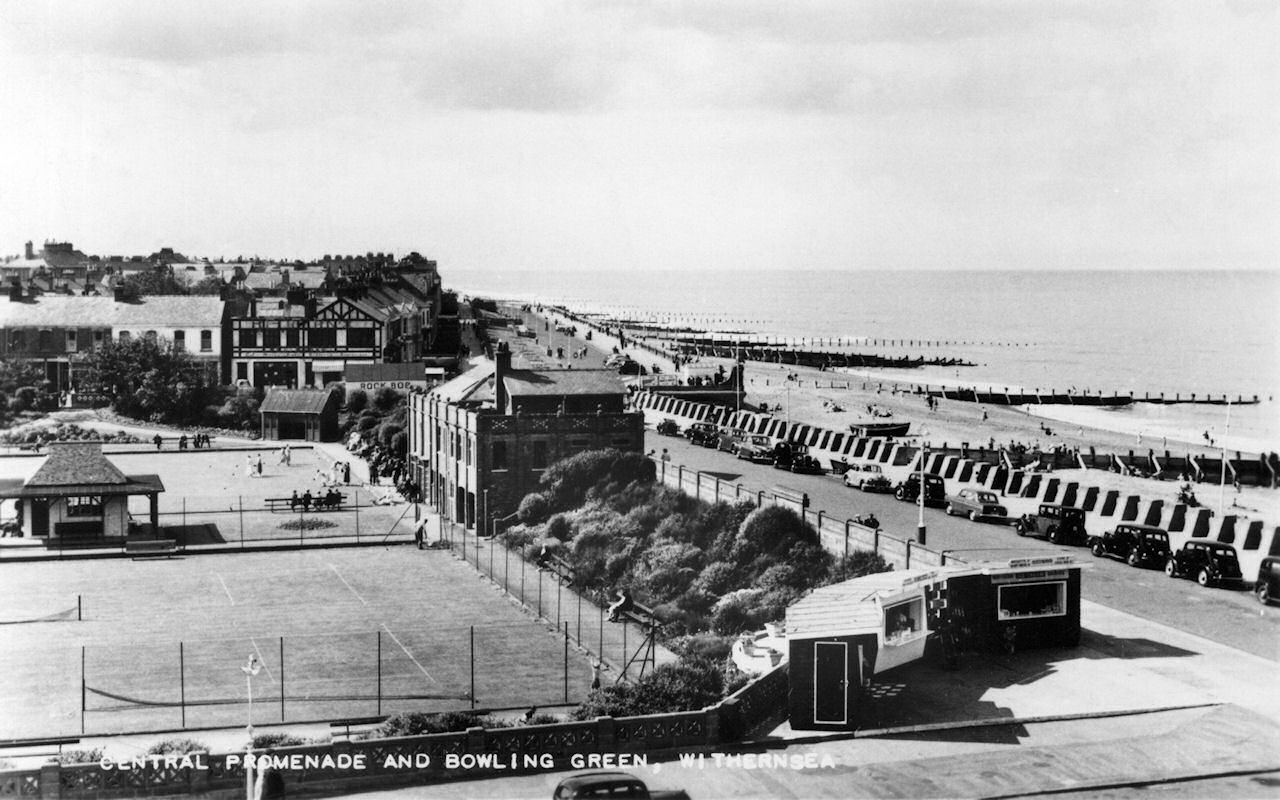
{"x":306,"y":501}
{"x":869,"y":520}
{"x":196,"y":441}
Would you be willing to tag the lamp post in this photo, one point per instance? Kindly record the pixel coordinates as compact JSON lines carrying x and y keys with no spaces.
{"x":1222,"y":481}
{"x":921,"y":534}
{"x":251,"y":667}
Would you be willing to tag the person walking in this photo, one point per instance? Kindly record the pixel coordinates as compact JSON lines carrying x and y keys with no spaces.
{"x":159,"y":440}
{"x":595,"y":674}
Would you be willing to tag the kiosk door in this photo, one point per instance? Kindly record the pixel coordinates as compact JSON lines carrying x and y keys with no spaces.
{"x":830,"y":682}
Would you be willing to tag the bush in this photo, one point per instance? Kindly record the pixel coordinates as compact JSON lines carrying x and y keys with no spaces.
{"x":89,"y":756}
{"x":558,"y":527}
{"x":705,"y":646}
{"x":688,"y":685}
{"x":263,"y":741}
{"x":417,"y":723}
{"x":859,"y":563}
{"x":533,"y":509}
{"x":167,"y":747}
{"x":386,"y":399}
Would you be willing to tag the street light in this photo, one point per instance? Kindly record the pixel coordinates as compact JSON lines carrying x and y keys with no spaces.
{"x":924,"y":452}
{"x":251,"y":667}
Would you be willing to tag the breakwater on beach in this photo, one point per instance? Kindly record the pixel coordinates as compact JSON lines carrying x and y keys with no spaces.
{"x":815,"y":358}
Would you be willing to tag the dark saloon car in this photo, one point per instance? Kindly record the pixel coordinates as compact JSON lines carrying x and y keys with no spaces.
{"x":977,"y":504}
{"x":1058,"y":524}
{"x":703,"y":434}
{"x":1210,"y":563}
{"x":935,"y":491}
{"x":668,"y":427}
{"x":1267,"y":589}
{"x":611,"y":785}
{"x":1137,"y":545}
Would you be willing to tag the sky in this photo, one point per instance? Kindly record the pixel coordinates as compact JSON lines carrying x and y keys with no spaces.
{"x":712,"y":134}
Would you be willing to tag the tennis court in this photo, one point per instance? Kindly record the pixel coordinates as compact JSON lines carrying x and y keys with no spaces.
{"x":114,"y":645}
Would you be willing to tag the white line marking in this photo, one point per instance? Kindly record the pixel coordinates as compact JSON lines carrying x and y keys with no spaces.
{"x":407,"y":653}
{"x":344,"y":581}
{"x":262,"y":659}
{"x":230,"y":599}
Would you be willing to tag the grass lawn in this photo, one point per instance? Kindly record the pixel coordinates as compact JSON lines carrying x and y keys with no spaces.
{"x":351,"y":623}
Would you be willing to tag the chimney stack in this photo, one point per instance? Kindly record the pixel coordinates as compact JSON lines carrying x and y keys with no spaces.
{"x":30,"y":251}
{"x":502,"y":366}
{"x":15,"y":289}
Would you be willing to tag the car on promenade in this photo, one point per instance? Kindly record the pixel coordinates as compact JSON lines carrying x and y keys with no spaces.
{"x":729,"y":439}
{"x":703,"y":434}
{"x":1267,"y":589}
{"x":935,"y":491}
{"x":613,"y":786}
{"x":1210,"y":563}
{"x":795,"y":457}
{"x":757,"y":448}
{"x":668,"y":427}
{"x":868,"y":478}
{"x":1059,"y":524}
{"x":1137,"y":545}
{"x":977,"y":504}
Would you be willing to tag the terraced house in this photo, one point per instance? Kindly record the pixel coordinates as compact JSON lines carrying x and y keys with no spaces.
{"x":52,"y":328}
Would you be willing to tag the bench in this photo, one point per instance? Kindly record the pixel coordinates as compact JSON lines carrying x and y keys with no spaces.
{"x":318,"y":503}
{"x":361,"y":724}
{"x":562,"y":569}
{"x":150,"y":547}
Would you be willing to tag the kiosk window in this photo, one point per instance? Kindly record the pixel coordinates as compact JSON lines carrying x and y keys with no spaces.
{"x":904,"y":621}
{"x":1020,"y":601}
{"x":90,"y":506}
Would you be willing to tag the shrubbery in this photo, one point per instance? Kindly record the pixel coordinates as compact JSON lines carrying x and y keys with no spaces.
{"x":167,"y":747}
{"x":688,"y":685}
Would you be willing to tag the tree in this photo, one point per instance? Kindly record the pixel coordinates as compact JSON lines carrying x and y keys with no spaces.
{"x":148,"y":379}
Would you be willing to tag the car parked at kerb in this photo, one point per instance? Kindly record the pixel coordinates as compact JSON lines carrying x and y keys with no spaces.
{"x":1058,"y":524}
{"x":977,"y":504}
{"x":868,"y":478}
{"x":703,"y":434}
{"x":1210,"y":563}
{"x":1267,"y":588}
{"x":1137,"y":545}
{"x":935,"y":491}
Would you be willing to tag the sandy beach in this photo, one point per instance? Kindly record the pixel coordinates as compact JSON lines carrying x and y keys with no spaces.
{"x":834,"y":400}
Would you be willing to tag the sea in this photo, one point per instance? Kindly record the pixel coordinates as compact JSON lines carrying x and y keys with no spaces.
{"x":1179,"y":333}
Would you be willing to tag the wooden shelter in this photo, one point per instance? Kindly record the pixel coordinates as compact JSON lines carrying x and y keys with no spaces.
{"x":307,"y":414}
{"x":77,"y":496}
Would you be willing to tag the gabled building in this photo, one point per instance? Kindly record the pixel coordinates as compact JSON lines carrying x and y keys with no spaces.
{"x":52,"y":329}
{"x":297,"y":341}
{"x":481,"y":442}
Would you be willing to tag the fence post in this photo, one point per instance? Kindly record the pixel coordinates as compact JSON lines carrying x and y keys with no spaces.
{"x":240,"y":499}
{"x":355,"y":494}
{"x":282,"y":679}
{"x":379,"y":672}
{"x":908,"y":566}
{"x":182,"y":680}
{"x":846,"y":539}
{"x":473,"y":664}
{"x":83,"y":691}
{"x":566,"y":662}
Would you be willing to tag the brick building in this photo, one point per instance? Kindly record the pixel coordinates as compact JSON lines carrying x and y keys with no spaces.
{"x":480,"y":442}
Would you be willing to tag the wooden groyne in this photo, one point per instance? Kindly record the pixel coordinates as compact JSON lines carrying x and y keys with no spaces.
{"x":815,"y":358}
{"x":1080,"y":398}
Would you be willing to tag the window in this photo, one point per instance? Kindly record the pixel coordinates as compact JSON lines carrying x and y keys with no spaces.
{"x":242,"y":371}
{"x":291,"y":337}
{"x":323,"y":338}
{"x":88,"y":506}
{"x":271,"y":338}
{"x":206,"y":341}
{"x":499,"y":455}
{"x":179,"y":340}
{"x":124,"y":336}
{"x":46,"y":340}
{"x":248,"y":337}
{"x":71,"y":341}
{"x":539,"y":455}
{"x":467,"y":445}
{"x":360,"y":337}
{"x":150,"y":336}
{"x":904,"y":622}
{"x":98,"y":337}
{"x":1026,"y":600}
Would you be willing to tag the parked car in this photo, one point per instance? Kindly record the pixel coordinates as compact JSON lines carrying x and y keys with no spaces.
{"x":729,"y":440}
{"x":611,"y":785}
{"x":668,"y":427}
{"x":1135,"y":544}
{"x":935,"y":491}
{"x":1058,"y":524}
{"x":868,"y":478}
{"x":1210,"y":563}
{"x":1267,"y":589}
{"x":703,"y":434}
{"x":977,"y":504}
{"x":795,"y":457}
{"x":756,"y":447}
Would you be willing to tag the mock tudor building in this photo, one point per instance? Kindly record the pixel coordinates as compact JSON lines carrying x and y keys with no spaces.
{"x":480,"y":442}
